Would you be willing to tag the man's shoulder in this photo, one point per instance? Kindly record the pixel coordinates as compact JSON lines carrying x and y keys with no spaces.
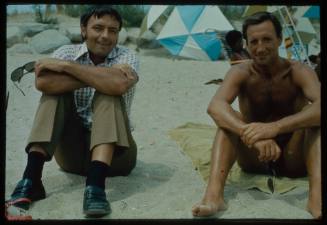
{"x":71,"y":47}
{"x":68,"y":50}
{"x":295,"y":64}
{"x":125,"y":50}
{"x":243,"y":66}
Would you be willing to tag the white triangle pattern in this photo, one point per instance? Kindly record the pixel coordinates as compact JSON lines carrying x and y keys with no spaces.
{"x":154,"y":12}
{"x":192,"y":50}
{"x":300,"y":11}
{"x":173,"y":27}
{"x":305,"y":25}
{"x":211,"y":18}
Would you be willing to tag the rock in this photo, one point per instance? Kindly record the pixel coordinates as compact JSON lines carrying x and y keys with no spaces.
{"x":21,"y":48}
{"x":14,"y":35}
{"x":133,"y":34}
{"x":49,"y":40}
{"x":122,"y":36}
{"x":31,"y":29}
{"x":148,"y":40}
{"x":72,"y":32}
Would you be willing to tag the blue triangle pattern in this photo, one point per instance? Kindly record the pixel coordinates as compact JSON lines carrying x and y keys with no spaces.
{"x":190,"y":14}
{"x":174,"y":44}
{"x":209,"y":43}
{"x":313,"y":12}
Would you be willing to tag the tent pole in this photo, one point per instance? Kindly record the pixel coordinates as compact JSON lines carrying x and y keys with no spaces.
{"x":285,"y":24}
{"x":296,"y":33}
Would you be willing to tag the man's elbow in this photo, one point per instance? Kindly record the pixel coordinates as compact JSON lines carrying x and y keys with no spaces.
{"x":212,"y":110}
{"x":117,"y":89}
{"x":44,"y":86}
{"x":40,"y":84}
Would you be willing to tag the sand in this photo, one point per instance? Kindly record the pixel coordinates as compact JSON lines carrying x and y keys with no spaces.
{"x":164,"y":184}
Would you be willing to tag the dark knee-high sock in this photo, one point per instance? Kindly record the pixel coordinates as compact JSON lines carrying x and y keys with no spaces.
{"x":34,"y":167}
{"x":97,"y":174}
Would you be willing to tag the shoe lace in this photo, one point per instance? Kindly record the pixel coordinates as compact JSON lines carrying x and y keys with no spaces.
{"x":95,"y":195}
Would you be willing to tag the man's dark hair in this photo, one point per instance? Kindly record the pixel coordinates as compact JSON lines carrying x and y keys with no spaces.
{"x":100,"y":11}
{"x":232,"y":37}
{"x":313,"y":58}
{"x":260,"y":17}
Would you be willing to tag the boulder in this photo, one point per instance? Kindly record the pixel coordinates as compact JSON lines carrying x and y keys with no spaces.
{"x":22,"y":49}
{"x":31,"y":29}
{"x":14,"y":35}
{"x":122,"y":36}
{"x":72,"y":32}
{"x":133,"y":34}
{"x":148,"y":40}
{"x":49,"y":40}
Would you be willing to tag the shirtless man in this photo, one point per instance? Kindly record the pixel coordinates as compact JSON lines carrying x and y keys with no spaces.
{"x":279,"y":119}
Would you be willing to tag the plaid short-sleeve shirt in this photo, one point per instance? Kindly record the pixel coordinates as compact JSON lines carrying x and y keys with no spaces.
{"x":83,"y":96}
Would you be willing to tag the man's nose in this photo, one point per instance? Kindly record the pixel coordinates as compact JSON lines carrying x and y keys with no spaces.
{"x":105,"y":34}
{"x":261,"y":46}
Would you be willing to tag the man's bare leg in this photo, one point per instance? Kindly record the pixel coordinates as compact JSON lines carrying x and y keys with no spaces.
{"x":103,"y":153}
{"x":38,"y":148}
{"x":312,"y":155}
{"x":223,"y":157}
{"x":298,"y":156}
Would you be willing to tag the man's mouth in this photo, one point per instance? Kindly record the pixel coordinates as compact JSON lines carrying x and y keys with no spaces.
{"x":261,"y":56}
{"x":104,"y":44}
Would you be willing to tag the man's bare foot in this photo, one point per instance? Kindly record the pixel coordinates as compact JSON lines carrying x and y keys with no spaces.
{"x":314,"y":205}
{"x":208,"y":208}
{"x":314,"y":209}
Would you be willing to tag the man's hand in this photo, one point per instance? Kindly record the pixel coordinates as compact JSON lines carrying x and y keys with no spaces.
{"x":254,"y":132}
{"x":55,"y":65}
{"x":127,"y":71}
{"x":268,"y":150}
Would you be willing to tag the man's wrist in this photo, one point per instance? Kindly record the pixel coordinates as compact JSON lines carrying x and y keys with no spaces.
{"x":278,"y":125}
{"x":66,"y":66}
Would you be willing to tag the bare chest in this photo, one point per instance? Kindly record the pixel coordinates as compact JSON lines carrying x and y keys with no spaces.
{"x":277,"y":91}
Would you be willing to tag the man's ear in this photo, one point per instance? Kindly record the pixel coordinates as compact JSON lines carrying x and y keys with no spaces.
{"x":280,"y":41}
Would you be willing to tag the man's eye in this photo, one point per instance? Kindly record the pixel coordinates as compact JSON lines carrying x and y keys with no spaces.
{"x":113,"y":31}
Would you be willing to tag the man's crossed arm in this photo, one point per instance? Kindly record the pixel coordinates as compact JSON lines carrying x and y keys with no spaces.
{"x":55,"y":76}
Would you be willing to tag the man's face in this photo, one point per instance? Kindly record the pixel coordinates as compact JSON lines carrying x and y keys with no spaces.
{"x":101,"y":35}
{"x":263,"y":43}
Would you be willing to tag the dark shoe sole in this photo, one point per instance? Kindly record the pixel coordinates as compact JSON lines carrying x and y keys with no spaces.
{"x":24,"y":203}
{"x":96,"y":212}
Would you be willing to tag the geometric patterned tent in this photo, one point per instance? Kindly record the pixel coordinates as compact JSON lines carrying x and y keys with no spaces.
{"x":186,"y":31}
{"x":154,"y":13}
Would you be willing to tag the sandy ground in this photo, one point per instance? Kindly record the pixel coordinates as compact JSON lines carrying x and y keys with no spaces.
{"x":164,"y":184}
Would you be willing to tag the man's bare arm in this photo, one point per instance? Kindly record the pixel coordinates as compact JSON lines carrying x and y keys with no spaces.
{"x":220,"y":106}
{"x":50,"y":82}
{"x":115,"y":80}
{"x":307,"y":80}
{"x":310,"y":116}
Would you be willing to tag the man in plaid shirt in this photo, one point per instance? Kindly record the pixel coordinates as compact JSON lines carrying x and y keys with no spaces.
{"x":82,"y":118}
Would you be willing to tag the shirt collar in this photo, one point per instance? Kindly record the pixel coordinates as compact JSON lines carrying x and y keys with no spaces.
{"x":83,"y":50}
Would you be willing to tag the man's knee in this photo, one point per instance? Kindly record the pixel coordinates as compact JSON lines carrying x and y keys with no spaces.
{"x":105,"y":99}
{"x":312,"y":133}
